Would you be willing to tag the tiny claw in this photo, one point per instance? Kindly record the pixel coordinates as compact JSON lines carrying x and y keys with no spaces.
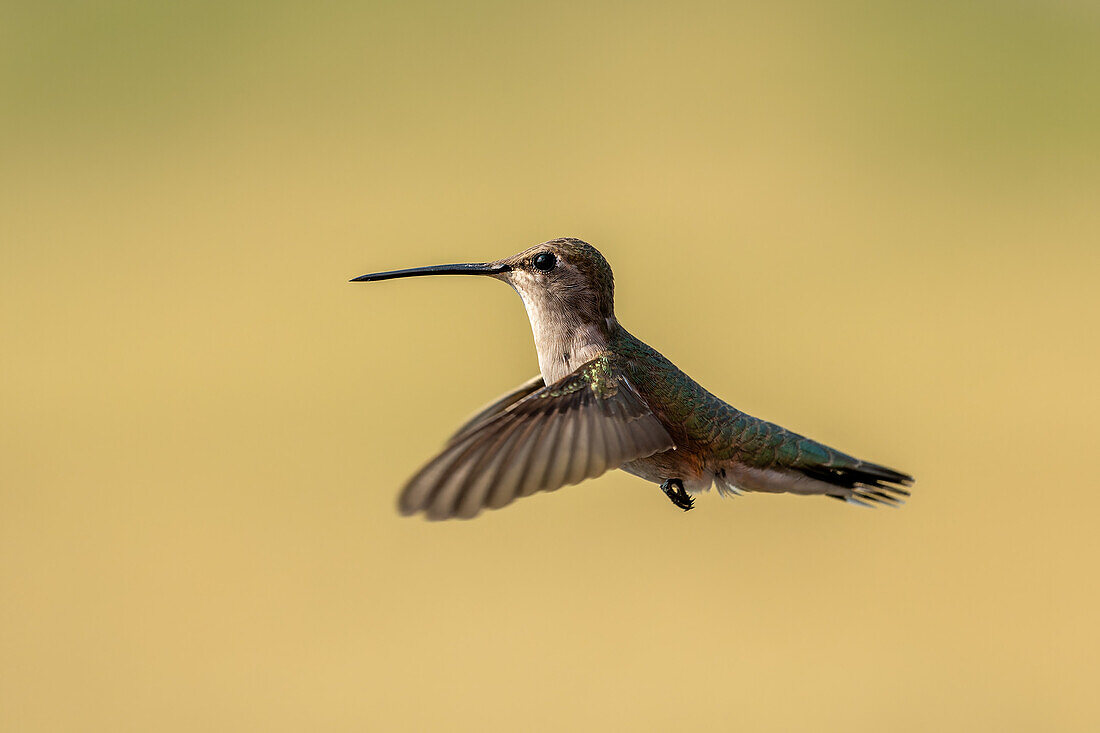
{"x":674,"y":490}
{"x":687,"y":501}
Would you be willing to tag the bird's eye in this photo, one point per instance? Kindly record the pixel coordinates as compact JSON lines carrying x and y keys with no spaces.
{"x":545,"y":261}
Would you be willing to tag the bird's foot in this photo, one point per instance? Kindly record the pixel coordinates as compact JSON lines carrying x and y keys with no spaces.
{"x":674,"y":490}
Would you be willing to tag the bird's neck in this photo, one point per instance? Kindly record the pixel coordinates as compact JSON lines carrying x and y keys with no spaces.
{"x":564,"y":341}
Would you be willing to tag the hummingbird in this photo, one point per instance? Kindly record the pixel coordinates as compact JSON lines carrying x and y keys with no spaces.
{"x":602,"y":400}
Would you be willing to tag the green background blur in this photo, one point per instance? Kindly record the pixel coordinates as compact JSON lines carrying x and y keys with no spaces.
{"x":875,"y":223}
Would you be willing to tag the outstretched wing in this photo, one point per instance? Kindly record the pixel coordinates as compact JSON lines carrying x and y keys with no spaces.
{"x":578,"y":427}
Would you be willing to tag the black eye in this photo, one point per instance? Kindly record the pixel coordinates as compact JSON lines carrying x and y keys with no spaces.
{"x":545,"y":261}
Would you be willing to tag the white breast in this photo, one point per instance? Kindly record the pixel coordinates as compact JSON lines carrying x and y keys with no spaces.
{"x":562,"y":345}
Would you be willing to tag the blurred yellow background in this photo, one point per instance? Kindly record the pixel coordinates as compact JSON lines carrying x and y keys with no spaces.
{"x":874,"y":223}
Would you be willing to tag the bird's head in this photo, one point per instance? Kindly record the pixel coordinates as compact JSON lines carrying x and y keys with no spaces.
{"x":565,"y":280}
{"x":565,"y":277}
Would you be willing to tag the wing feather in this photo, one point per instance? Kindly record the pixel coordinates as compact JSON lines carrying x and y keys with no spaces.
{"x":546,"y":443}
{"x":446,"y":494}
{"x":497,"y":406}
{"x":611,"y":454}
{"x":557,"y":467}
{"x":482,"y":478}
{"x":582,"y":447}
{"x":538,"y":439}
{"x":516,"y":464}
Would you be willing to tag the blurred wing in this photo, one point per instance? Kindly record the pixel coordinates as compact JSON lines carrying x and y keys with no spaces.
{"x":498,"y":405}
{"x":580,"y":426}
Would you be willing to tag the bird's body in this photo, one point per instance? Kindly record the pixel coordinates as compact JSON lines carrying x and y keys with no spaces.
{"x":603,"y":400}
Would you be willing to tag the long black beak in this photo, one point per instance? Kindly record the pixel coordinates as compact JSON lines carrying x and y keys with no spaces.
{"x":478,"y":268}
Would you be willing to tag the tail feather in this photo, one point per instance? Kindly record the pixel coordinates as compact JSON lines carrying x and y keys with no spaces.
{"x":766,"y":457}
{"x":861,"y":482}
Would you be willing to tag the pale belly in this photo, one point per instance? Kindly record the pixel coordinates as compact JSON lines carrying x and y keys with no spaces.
{"x":730,"y":478}
{"x":677,"y":463}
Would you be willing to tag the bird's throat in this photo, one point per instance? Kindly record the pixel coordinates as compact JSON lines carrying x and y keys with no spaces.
{"x":563,"y":340}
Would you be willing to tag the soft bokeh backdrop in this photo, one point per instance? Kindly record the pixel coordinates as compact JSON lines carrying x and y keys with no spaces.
{"x":876,"y":223}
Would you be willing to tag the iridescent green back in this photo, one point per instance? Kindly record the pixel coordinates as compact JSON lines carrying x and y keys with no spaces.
{"x":697,"y":418}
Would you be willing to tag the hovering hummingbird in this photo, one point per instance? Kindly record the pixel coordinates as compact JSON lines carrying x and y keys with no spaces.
{"x":606,"y":400}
